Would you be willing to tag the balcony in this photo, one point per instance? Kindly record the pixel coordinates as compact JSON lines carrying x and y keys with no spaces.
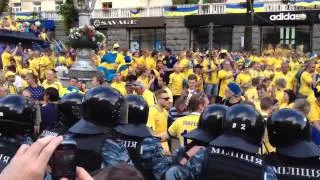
{"x":212,"y":8}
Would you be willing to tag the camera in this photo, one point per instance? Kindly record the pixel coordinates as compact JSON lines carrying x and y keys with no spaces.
{"x":63,"y":162}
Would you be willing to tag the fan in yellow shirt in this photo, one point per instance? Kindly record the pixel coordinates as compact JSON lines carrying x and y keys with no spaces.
{"x":176,"y":81}
{"x":51,"y":81}
{"x":244,"y":76}
{"x":306,"y":80}
{"x":225,"y":77}
{"x":183,"y":125}
{"x":119,"y":85}
{"x":45,"y":63}
{"x":147,"y":95}
{"x":314,"y":113}
{"x":157,"y":119}
{"x":5,"y":57}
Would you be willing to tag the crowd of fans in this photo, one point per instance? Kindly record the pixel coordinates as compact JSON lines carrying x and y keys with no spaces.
{"x":177,"y":88}
{"x":9,"y":23}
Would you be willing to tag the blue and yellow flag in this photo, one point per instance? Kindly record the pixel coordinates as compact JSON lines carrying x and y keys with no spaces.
{"x":306,"y":3}
{"x":242,"y":7}
{"x":26,"y":16}
{"x":135,"y":13}
{"x":181,"y":11}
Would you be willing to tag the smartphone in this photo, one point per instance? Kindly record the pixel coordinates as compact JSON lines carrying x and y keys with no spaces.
{"x":64,"y":161}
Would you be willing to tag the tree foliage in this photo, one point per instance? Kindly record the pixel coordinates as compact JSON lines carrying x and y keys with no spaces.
{"x":69,"y":15}
{"x":3,"y":5}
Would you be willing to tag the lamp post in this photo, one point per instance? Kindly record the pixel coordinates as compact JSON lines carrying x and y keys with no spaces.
{"x":83,"y":68}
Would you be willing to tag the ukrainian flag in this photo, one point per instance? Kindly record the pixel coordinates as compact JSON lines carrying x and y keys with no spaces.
{"x":242,"y":7}
{"x":306,"y":3}
{"x":26,"y":16}
{"x":181,"y":11}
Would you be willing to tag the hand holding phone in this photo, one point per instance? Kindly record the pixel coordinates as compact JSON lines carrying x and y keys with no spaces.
{"x":64,"y":160}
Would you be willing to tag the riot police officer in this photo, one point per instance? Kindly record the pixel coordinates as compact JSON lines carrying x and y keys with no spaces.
{"x":69,"y":113}
{"x":209,"y":127}
{"x":233,"y":154}
{"x":137,"y":138}
{"x":102,"y":109}
{"x":17,"y":121}
{"x":296,"y":156}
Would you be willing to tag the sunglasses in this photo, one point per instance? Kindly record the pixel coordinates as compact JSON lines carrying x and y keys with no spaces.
{"x":166,"y":98}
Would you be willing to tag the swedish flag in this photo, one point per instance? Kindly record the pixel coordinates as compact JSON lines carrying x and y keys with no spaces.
{"x":181,"y":11}
{"x":307,"y":3}
{"x":242,"y":7}
{"x":135,"y":13}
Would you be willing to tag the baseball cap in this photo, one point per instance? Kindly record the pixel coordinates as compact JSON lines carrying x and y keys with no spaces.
{"x":234,"y":88}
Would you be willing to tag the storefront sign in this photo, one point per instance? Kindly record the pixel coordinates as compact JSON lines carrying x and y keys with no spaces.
{"x":288,"y":17}
{"x":128,"y":22}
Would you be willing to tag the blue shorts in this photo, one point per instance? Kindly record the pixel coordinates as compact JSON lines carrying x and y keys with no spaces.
{"x":211,"y":90}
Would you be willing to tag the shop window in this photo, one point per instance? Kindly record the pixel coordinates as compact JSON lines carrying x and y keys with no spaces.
{"x":222,"y":38}
{"x":107,"y":5}
{"x":286,"y":37}
{"x":152,"y":39}
{"x":36,"y":6}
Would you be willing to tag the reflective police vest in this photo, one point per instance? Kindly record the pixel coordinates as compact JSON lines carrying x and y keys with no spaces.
{"x":288,"y":168}
{"x":222,"y":163}
{"x":133,"y":145}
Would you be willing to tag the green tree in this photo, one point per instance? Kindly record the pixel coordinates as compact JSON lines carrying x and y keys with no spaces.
{"x":4,"y":5}
{"x":69,"y":15}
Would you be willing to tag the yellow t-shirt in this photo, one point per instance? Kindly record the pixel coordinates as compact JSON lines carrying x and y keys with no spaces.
{"x":252,"y":94}
{"x":45,"y":64}
{"x":69,"y":62}
{"x":182,"y":126}
{"x":62,"y":60}
{"x":289,"y":77}
{"x":268,"y":73}
{"x":210,"y":78}
{"x":243,"y":78}
{"x":176,"y":83}
{"x":57,"y":85}
{"x":200,"y":82}
{"x":120,"y":86}
{"x":34,"y":65}
{"x":224,"y":82}
{"x":256,"y":74}
{"x":305,"y":80}
{"x":280,"y":97}
{"x":150,"y":63}
{"x":157,"y":121}
{"x":314,"y":113}
{"x":148,"y":96}
{"x":5,"y":56}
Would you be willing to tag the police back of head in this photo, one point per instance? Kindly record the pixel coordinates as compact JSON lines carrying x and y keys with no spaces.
{"x":289,"y":131}
{"x":17,"y":115}
{"x":242,"y":129}
{"x":104,"y":106}
{"x":138,"y":109}
{"x":69,"y":107}
{"x":210,"y":124}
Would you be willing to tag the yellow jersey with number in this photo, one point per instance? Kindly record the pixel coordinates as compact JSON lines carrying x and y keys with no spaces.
{"x":182,"y":126}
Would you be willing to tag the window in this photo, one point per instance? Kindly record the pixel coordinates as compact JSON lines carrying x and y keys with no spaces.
{"x":286,"y":37}
{"x":16,"y":7}
{"x":152,"y":39}
{"x":58,"y":4}
{"x":36,"y":6}
{"x":222,"y":38}
{"x":107,"y":5}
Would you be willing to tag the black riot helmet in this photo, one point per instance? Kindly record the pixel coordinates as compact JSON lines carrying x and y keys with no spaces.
{"x":242,"y":129}
{"x":289,"y":131}
{"x":104,"y":106}
{"x":210,"y":124}
{"x":69,"y":108}
{"x":17,"y":115}
{"x":138,"y":109}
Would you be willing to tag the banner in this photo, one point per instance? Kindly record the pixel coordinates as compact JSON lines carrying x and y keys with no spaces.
{"x":306,"y":3}
{"x":242,"y":7}
{"x":135,"y":13}
{"x":27,"y":16}
{"x":181,"y":11}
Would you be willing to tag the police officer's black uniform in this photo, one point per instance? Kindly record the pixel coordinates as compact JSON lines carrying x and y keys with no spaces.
{"x":132,"y":134}
{"x":296,"y":157}
{"x":17,"y":120}
{"x":233,"y":155}
{"x":102,"y":108}
{"x":69,"y":113}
